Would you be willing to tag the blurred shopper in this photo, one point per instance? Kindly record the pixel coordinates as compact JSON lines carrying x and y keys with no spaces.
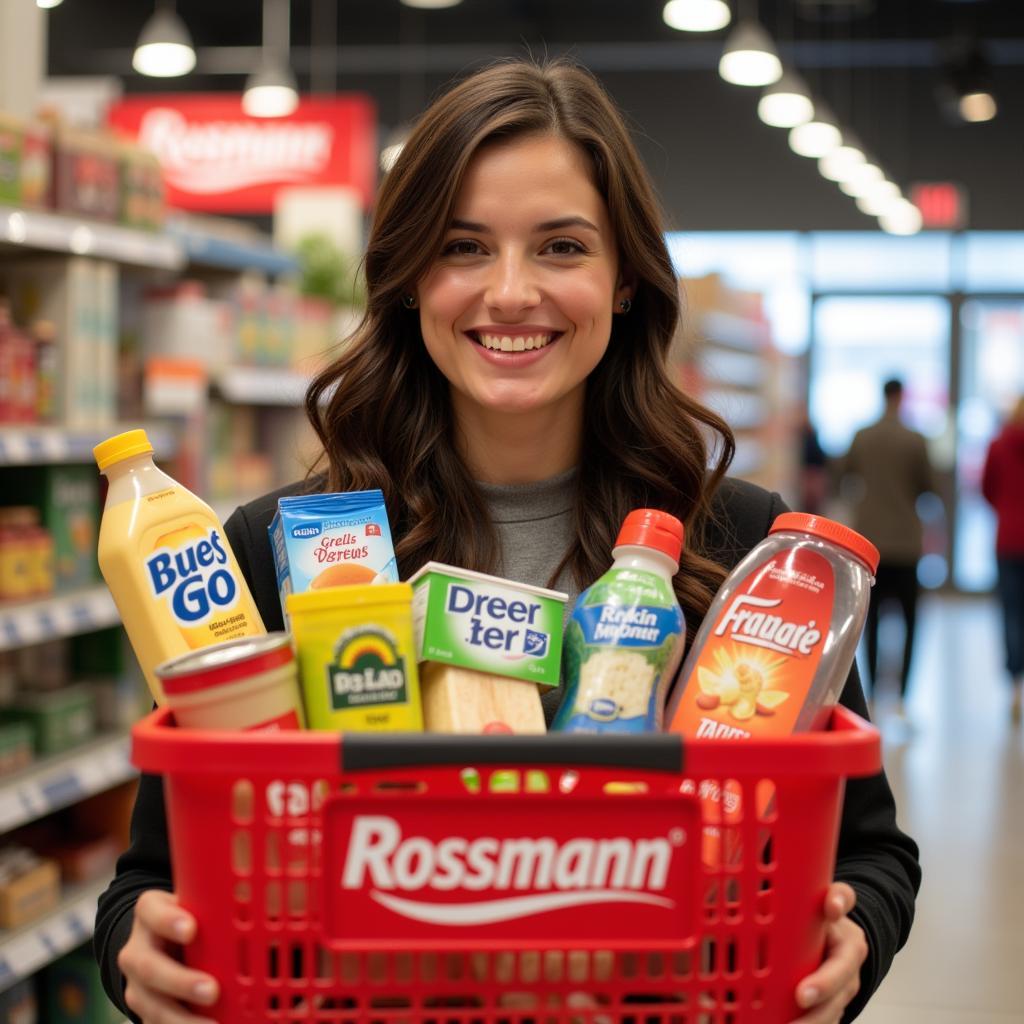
{"x":1002,"y":483}
{"x":814,"y":478}
{"x":890,"y":463}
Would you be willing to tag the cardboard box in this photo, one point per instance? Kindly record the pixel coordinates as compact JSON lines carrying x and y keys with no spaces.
{"x":28,"y":895}
{"x":60,"y":719}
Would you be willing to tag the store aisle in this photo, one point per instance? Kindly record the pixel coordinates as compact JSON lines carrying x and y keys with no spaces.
{"x":959,"y":780}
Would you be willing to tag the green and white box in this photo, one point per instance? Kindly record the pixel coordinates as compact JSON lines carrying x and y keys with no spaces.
{"x":480,"y":622}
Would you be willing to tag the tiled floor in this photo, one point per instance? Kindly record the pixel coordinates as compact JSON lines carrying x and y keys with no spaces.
{"x":959,"y":781}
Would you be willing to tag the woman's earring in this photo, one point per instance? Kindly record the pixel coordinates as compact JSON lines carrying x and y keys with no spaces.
{"x":625,"y":305}
{"x":409,"y":301}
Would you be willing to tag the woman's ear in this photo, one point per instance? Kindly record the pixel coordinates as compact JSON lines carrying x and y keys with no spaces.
{"x":625,"y":289}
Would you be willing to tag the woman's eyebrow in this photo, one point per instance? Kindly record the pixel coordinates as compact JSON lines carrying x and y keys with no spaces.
{"x":548,"y":225}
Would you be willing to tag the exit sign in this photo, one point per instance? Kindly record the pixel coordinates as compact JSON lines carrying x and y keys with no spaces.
{"x":942,"y":204}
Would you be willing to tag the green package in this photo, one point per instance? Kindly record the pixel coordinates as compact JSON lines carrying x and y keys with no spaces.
{"x":487,"y":624}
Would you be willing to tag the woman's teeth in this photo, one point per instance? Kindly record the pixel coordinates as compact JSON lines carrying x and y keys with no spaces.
{"x":503,"y":343}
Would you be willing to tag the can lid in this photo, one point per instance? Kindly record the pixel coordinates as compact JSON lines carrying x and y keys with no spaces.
{"x":651,"y":528}
{"x":830,"y":530}
{"x":223,"y":663}
{"x":120,"y":447}
{"x":347,"y":596}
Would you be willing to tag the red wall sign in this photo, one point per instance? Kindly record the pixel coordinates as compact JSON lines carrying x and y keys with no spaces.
{"x":942,"y":204}
{"x":217,"y":159}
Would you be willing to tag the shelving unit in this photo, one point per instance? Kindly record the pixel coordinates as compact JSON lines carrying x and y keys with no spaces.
{"x":262,"y":385}
{"x":56,"y":782}
{"x":45,"y":445}
{"x":23,"y":951}
{"x":46,"y":618}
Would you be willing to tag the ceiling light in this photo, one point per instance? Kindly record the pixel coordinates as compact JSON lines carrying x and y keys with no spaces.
{"x":860,"y":180}
{"x":750,"y":57}
{"x":883,"y":197}
{"x":164,"y":49}
{"x":817,"y":137}
{"x":787,"y":103}
{"x":48,"y":5}
{"x":977,"y":106}
{"x":270,"y":92}
{"x":904,"y":218}
{"x":840,"y":163}
{"x":431,"y":5}
{"x":696,"y":15}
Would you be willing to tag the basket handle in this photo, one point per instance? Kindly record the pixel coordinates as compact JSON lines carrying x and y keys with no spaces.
{"x":373,"y":751}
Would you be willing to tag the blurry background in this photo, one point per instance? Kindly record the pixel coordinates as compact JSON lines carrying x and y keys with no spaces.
{"x":184,"y":194}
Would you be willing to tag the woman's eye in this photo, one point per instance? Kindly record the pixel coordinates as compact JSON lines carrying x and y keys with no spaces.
{"x":462,"y":247}
{"x":565,"y":247}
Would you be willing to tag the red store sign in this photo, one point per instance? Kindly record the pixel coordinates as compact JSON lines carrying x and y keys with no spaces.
{"x":217,"y":159}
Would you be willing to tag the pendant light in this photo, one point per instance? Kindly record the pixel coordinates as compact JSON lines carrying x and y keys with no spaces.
{"x":861,"y":179}
{"x":818,"y":136}
{"x":787,"y":103}
{"x":431,"y":5}
{"x":272,"y":90}
{"x":164,"y":49}
{"x":841,"y":162}
{"x":696,"y":15}
{"x":750,"y":57}
{"x":880,"y":198}
{"x":904,"y":218}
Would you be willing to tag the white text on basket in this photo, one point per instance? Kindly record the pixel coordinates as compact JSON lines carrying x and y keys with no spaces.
{"x":773,"y":632}
{"x":549,"y":875}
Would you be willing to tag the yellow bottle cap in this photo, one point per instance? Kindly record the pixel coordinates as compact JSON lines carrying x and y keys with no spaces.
{"x":120,"y":447}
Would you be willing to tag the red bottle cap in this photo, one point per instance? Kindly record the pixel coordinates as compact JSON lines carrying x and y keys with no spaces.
{"x":830,"y":530}
{"x":649,"y":528}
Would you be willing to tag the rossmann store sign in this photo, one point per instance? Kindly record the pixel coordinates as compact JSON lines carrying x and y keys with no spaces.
{"x":217,"y":159}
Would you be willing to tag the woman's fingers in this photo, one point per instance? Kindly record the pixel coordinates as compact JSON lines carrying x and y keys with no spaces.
{"x":160,"y":913}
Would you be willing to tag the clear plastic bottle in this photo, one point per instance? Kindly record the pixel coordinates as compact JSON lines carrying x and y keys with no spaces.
{"x":625,"y":637}
{"x":166,"y":560}
{"x":774,"y":650}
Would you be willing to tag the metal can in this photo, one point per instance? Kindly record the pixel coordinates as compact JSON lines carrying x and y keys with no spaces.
{"x":250,"y":683}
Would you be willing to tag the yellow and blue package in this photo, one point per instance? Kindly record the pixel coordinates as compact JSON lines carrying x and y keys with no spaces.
{"x":330,"y":540}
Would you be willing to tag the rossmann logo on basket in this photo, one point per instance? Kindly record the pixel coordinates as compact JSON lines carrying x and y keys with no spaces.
{"x":503,"y":879}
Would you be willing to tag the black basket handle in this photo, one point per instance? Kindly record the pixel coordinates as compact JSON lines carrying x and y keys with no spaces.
{"x":362,"y":751}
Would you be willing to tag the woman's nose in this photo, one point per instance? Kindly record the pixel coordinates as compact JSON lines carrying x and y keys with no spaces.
{"x":511,"y":286}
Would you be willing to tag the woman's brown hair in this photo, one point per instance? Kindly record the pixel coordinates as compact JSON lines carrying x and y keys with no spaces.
{"x":382,"y":409}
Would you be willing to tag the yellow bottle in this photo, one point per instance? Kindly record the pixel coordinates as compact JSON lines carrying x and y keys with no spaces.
{"x":166,"y":560}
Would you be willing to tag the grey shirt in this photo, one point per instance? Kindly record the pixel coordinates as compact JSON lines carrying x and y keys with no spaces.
{"x":535,"y":527}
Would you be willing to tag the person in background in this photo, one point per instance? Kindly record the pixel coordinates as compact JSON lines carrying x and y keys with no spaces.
{"x":814,"y":476}
{"x":1002,"y":483}
{"x":891,"y":468}
{"x":510,"y":391}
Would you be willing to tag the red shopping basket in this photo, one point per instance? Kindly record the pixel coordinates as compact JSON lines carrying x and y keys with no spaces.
{"x":426,"y":879}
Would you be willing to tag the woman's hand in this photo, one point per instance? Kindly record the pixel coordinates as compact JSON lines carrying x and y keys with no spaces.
{"x":157,"y":983}
{"x":828,"y":991}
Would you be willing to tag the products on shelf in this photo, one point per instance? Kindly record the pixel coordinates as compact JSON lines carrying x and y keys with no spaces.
{"x":18,"y":387}
{"x":182,"y":321}
{"x":484,"y":645}
{"x":327,"y":540}
{"x":357,"y":659}
{"x":68,"y":500}
{"x":625,"y":637}
{"x":11,"y":135}
{"x":103,"y":661}
{"x":26,"y":555}
{"x":71,"y":991}
{"x":166,"y":560}
{"x":44,"y":333}
{"x":143,"y":203}
{"x":249,"y":684}
{"x":16,"y":747}
{"x":78,"y":298}
{"x":44,"y":666}
{"x":86,"y":176}
{"x":29,"y":886}
{"x":18,"y":1003}
{"x":60,"y":719}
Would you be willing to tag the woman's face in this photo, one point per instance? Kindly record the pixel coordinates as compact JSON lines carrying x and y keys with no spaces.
{"x":517,"y":308}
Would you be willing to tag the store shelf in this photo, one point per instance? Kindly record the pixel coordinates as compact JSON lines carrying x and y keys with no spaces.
{"x":25,"y":950}
{"x":734,"y":332}
{"x":262,"y":385}
{"x":54,"y":232}
{"x":80,"y":611}
{"x":225,"y":254}
{"x":42,"y":445}
{"x":56,"y":782}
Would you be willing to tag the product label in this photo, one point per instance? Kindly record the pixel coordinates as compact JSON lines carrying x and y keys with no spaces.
{"x":367,"y":669}
{"x":622,"y":645}
{"x":488,"y":625}
{"x":758,"y":664}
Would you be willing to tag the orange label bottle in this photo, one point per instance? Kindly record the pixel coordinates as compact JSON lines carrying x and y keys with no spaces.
{"x":166,"y":560}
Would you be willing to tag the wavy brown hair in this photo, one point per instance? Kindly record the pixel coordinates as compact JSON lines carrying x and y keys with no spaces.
{"x":382,"y":410}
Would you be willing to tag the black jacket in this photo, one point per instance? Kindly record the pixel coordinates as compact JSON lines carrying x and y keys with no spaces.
{"x":874,"y":856}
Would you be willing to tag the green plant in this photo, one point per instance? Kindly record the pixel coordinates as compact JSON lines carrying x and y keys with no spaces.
{"x":328,"y":273}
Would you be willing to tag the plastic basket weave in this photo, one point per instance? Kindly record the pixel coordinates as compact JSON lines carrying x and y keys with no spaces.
{"x":424,"y":879}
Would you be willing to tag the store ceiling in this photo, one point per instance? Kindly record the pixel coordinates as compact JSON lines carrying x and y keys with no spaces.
{"x":877,"y":62}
